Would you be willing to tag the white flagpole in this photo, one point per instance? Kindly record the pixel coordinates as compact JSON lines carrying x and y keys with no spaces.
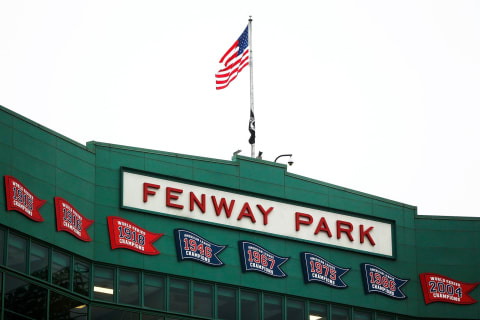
{"x":251,"y":75}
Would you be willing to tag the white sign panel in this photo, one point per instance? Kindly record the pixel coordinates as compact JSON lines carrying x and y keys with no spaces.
{"x":162,"y":196}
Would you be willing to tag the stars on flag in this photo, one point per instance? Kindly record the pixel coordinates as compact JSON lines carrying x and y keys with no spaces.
{"x":234,"y":60}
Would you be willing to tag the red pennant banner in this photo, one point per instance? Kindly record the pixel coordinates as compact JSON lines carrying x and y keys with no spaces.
{"x":70,"y":220}
{"x":124,"y":234}
{"x":444,"y":289}
{"x":20,"y":199}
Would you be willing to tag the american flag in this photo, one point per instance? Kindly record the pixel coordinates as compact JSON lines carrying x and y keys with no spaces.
{"x":234,"y":60}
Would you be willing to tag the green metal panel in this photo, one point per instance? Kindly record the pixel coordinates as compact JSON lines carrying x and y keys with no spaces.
{"x":34,"y":147}
{"x":38,"y":169}
{"x":6,"y":134}
{"x":75,"y":166}
{"x":168,"y":168}
{"x":34,"y":130}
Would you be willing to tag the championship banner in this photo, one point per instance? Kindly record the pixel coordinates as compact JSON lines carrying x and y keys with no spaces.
{"x":20,"y":199}
{"x":256,"y":258}
{"x":191,"y":246}
{"x":124,"y":234}
{"x":317,"y":269}
{"x":377,"y":280}
{"x":438,"y":288}
{"x":71,"y":221}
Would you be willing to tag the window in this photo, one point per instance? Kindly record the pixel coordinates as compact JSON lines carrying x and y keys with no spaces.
{"x":384,"y":317}
{"x":202,"y":300}
{"x":81,"y":277}
{"x":62,"y":307}
{"x":154,"y":291}
{"x":250,"y":305}
{"x":99,"y":313}
{"x":146,"y":316}
{"x":226,"y":303}
{"x":61,"y":269}
{"x":103,"y":284}
{"x":179,"y":296}
{"x":1,"y":286}
{"x":362,"y":315}
{"x":39,"y":261}
{"x":295,"y":309}
{"x":17,"y":253}
{"x":339,"y":313}
{"x":318,"y":311}
{"x":272,"y":307}
{"x":128,"y":292}
{"x":23,"y":300}
{"x":2,"y":246}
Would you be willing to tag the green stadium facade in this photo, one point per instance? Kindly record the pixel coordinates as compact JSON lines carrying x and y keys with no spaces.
{"x":106,"y":231}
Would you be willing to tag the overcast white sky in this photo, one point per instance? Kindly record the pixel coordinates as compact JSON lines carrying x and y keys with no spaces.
{"x":377,"y":96}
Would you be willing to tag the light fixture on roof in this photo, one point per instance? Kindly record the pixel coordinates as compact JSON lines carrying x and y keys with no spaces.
{"x":237,"y":152}
{"x":290,"y":160}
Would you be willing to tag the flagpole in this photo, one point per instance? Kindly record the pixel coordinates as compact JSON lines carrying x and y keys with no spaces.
{"x":251,"y":77}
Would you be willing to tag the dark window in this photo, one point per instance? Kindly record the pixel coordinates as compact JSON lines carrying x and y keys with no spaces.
{"x":99,"y":313}
{"x":24,"y":300}
{"x":318,"y":311}
{"x":362,"y":315}
{"x":2,"y":246}
{"x":128,"y":287}
{"x":61,"y":269}
{"x":339,"y":313}
{"x":272,"y":307}
{"x":81,"y":277}
{"x":39,"y":261}
{"x":17,"y":253}
{"x":226,"y":303}
{"x":154,"y":291}
{"x":384,"y":317}
{"x":202,"y":300}
{"x":250,"y":305}
{"x":103,"y":284}
{"x":179,"y":294}
{"x":295,"y":310}
{"x":1,"y":279}
{"x":152,"y":317}
{"x":64,"y":308}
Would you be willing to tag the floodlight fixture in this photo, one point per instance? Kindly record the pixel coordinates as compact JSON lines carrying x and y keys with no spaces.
{"x":290,"y":160}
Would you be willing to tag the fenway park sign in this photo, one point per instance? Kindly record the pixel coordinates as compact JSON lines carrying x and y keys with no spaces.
{"x":183,"y":200}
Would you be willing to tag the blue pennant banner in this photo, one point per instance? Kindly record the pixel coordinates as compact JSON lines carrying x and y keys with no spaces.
{"x":317,"y":269}
{"x":377,"y":280}
{"x":257,"y":258}
{"x":191,"y":246}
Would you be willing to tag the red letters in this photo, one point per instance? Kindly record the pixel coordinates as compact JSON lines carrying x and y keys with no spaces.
{"x":298,"y":222}
{"x":323,"y":226}
{"x":348,"y":230}
{"x":265,"y":213}
{"x":194,"y":199}
{"x":171,"y":196}
{"x":223,"y":205}
{"x":367,"y":234}
{"x":246,"y":212}
{"x":342,"y":227}
{"x":147,"y":192}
